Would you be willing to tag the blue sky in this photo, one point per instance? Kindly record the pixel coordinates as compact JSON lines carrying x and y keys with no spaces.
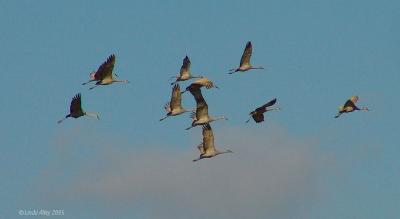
{"x":300,"y":163}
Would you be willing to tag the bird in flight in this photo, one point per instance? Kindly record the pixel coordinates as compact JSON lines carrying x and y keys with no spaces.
{"x":76,"y":111}
{"x":207,"y":148}
{"x":174,"y":107}
{"x":245,"y":60}
{"x":184,"y":73}
{"x":201,"y":82}
{"x":104,"y":74}
{"x":350,"y":106}
{"x":258,"y":114}
{"x":201,"y":117}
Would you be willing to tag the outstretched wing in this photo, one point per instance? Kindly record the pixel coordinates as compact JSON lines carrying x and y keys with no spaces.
{"x":264,"y":107}
{"x":106,"y":68}
{"x":185,"y":66}
{"x":201,"y":110}
{"x":201,"y":104}
{"x":176,"y":97}
{"x":203,"y":81}
{"x":349,"y":104}
{"x":75,"y":107}
{"x":245,"y":60}
{"x":208,"y":138}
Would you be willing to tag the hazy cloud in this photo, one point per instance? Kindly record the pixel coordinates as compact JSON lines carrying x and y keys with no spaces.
{"x":269,"y":175}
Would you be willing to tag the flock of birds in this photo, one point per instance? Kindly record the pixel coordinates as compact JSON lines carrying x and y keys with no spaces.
{"x":200,"y":117}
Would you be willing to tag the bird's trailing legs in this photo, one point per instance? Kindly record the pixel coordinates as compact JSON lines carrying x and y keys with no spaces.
{"x":233,"y":70}
{"x":91,"y":88}
{"x":176,"y":79}
{"x":338,"y":115}
{"x":88,"y":82}
{"x":198,"y":159}
{"x":61,"y":120}
{"x":189,"y":127}
{"x":164,"y":118}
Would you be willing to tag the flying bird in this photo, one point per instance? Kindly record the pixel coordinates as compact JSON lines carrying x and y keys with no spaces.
{"x":104,"y":74}
{"x":76,"y":111}
{"x":350,"y":106}
{"x":174,"y":107}
{"x":184,"y":73}
{"x":207,"y":148}
{"x":201,"y":82}
{"x":201,"y":117}
{"x":245,"y":60}
{"x":258,"y":114}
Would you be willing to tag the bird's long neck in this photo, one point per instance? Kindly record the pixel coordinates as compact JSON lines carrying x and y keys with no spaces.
{"x":93,"y":115}
{"x":189,"y":110}
{"x":121,"y":81}
{"x":224,"y":152}
{"x":195,"y":76}
{"x":276,"y":108}
{"x":218,"y":118}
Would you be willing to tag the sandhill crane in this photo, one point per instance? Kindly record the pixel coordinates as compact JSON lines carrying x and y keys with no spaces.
{"x":245,"y":60}
{"x":92,"y":77}
{"x":201,"y":82}
{"x":201,"y":117}
{"x":185,"y":73}
{"x":207,"y":148}
{"x":258,"y":114}
{"x":350,"y":106}
{"x":76,"y":111}
{"x":174,"y":107}
{"x":104,"y":74}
